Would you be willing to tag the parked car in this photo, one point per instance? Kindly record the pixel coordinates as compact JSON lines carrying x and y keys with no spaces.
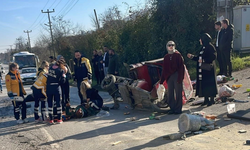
{"x":140,"y":89}
{"x":28,"y":75}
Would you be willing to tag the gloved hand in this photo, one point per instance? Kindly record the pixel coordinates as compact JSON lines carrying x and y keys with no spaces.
{"x":90,"y":81}
{"x":10,"y":94}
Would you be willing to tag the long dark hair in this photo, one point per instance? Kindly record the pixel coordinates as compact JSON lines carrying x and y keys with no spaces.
{"x":206,"y":39}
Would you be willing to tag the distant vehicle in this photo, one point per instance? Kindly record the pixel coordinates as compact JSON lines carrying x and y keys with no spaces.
{"x":26,"y":60}
{"x":28,"y":75}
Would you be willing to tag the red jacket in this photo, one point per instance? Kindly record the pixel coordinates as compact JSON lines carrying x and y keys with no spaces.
{"x":172,"y":63}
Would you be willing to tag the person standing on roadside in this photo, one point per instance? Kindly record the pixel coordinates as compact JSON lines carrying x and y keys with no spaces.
{"x":227,"y":46}
{"x":100,"y":65}
{"x":221,"y":62}
{"x":206,"y":85}
{"x":1,"y":78}
{"x":54,"y":80}
{"x":39,"y":92}
{"x":173,"y":74}
{"x":95,"y":60}
{"x":113,"y":63}
{"x":105,"y":60}
{"x":65,"y":86}
{"x":15,"y":88}
{"x":82,"y":71}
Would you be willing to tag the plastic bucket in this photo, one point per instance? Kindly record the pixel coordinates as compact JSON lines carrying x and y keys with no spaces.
{"x":188,"y":122}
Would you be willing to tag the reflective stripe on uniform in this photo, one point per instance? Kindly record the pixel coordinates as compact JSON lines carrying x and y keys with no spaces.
{"x":93,"y":105}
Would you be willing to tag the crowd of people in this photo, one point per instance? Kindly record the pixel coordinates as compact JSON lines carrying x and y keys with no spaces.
{"x":51,"y":76}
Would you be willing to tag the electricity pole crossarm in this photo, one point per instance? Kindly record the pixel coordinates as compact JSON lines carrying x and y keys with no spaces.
{"x":28,"y":38}
{"x":51,"y":34}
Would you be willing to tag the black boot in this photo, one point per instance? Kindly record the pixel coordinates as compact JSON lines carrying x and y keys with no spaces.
{"x":205,"y":101}
{"x":212,"y":100}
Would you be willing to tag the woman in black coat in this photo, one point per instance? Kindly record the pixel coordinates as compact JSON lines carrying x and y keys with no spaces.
{"x":206,"y":85}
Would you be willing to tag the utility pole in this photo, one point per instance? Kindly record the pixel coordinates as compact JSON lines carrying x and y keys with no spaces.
{"x":19,"y":43}
{"x":98,"y":26}
{"x":51,"y":34}
{"x":28,"y":38}
{"x":9,"y":53}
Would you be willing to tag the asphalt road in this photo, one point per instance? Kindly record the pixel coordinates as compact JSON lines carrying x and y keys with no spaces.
{"x":118,"y":132}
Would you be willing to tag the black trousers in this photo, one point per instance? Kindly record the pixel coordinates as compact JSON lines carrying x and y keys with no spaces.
{"x":101,"y":72}
{"x":37,"y":96}
{"x":175,"y":93}
{"x":220,"y":60}
{"x":227,"y":66}
{"x":17,"y":109}
{"x":97,"y":76}
{"x":55,"y":97}
{"x":65,"y":94}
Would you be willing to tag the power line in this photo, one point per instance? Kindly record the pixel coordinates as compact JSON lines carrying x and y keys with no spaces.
{"x":70,"y":8}
{"x":38,"y":15}
{"x":64,"y":7}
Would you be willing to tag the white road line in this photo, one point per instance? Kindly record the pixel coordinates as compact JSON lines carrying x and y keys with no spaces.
{"x":50,"y":139}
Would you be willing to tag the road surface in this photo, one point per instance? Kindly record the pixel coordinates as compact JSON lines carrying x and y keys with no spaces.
{"x":118,"y":132}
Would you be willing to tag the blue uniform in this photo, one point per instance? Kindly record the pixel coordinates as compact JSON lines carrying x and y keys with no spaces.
{"x":55,"y":78}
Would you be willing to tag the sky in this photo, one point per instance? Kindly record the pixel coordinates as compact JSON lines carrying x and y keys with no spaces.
{"x":19,"y":15}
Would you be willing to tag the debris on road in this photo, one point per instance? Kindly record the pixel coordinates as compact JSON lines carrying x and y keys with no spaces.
{"x":118,"y":142}
{"x":236,"y":86}
{"x":212,"y":117}
{"x":126,"y":113}
{"x":152,"y":116}
{"x":197,"y":102}
{"x":133,"y":119}
{"x":241,"y":101}
{"x":247,"y":142}
{"x":198,"y":132}
{"x":227,"y":119}
{"x":242,"y":131}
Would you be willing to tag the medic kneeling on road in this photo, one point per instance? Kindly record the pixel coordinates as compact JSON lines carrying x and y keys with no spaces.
{"x":93,"y":105}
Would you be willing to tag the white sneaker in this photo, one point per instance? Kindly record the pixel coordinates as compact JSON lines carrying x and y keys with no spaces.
{"x":19,"y":121}
{"x":25,"y":120}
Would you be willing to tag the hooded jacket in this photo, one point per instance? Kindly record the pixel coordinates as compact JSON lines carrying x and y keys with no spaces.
{"x":227,"y":38}
{"x":82,"y":69}
{"x":14,"y":84}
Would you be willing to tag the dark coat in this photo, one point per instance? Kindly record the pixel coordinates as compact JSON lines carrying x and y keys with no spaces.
{"x":95,"y":62}
{"x":227,"y":38}
{"x":113,"y":64}
{"x":207,"y":87}
{"x":100,"y":63}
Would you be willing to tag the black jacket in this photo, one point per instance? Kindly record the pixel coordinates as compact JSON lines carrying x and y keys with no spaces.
{"x":227,"y":38}
{"x":113,"y":64}
{"x":95,"y":62}
{"x":82,"y":69}
{"x":207,"y":86}
{"x":55,"y":78}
